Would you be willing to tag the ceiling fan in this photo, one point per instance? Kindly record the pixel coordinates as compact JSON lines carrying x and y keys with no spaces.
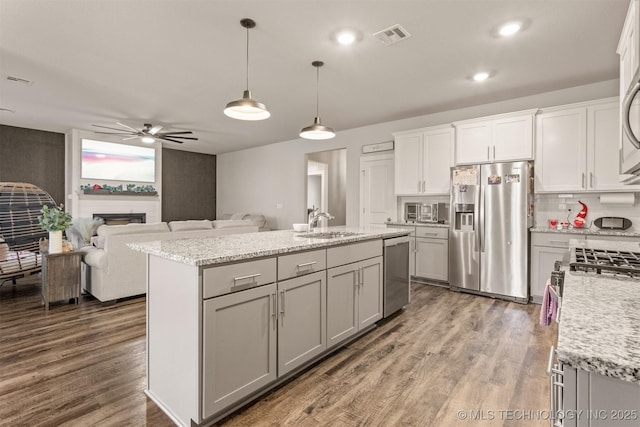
{"x":148,"y":134}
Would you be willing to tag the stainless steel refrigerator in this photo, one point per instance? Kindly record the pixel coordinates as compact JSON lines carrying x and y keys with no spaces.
{"x":490,"y":216}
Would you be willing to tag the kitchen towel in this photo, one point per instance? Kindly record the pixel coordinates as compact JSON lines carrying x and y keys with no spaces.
{"x":549,"y":306}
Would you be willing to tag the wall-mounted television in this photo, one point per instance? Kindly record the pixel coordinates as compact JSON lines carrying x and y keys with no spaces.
{"x":120,"y":162}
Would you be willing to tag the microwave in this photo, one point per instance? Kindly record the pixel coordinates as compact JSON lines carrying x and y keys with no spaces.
{"x":630,"y":144}
{"x":426,"y":212}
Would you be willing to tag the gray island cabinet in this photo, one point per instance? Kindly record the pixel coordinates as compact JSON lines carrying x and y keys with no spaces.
{"x":229,"y":318}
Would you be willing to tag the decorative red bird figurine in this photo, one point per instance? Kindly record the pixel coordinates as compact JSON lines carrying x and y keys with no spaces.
{"x":580,"y":218}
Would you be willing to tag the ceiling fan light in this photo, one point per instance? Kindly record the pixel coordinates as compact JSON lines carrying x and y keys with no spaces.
{"x":147,"y":139}
{"x":246,"y":109}
{"x":317,"y":131}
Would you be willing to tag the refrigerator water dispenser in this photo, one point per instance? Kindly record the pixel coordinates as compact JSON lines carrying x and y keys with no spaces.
{"x":463,"y":219}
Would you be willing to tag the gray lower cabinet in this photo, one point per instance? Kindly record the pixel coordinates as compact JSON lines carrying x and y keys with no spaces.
{"x":239,"y":346}
{"x":590,"y":399}
{"x":354,"y":298}
{"x":302,"y":315}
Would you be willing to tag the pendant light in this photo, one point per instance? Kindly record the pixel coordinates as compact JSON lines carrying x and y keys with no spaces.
{"x":247,"y":108}
{"x":317,"y":130}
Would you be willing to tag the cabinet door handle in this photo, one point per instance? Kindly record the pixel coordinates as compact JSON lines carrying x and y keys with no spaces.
{"x":494,"y":152}
{"x":488,"y":152}
{"x":274,"y":312}
{"x":584,"y":185}
{"x":562,"y":242}
{"x":430,"y":234}
{"x":250,"y":276}
{"x":361,"y":276}
{"x":418,"y":186}
{"x":282,"y":304}
{"x":306,"y":264}
{"x":591,"y":179}
{"x":424,"y":186}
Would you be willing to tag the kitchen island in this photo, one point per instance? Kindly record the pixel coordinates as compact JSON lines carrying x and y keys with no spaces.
{"x":229,"y":318}
{"x":599,"y":345}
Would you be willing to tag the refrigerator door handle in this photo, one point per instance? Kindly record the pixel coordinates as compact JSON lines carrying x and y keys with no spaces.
{"x":481,"y":221}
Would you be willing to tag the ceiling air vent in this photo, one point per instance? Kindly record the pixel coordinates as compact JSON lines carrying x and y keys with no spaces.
{"x":19,"y":80}
{"x":392,"y":35}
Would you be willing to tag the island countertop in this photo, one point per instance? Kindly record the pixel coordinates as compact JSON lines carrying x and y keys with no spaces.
{"x":238,"y":247}
{"x":599,"y":327}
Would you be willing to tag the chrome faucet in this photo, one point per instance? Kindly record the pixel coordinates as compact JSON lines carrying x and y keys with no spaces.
{"x":314,"y":216}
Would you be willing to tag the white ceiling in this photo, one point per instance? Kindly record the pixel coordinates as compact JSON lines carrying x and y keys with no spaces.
{"x":178,"y":62}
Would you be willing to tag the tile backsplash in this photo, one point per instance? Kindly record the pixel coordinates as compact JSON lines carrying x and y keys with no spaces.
{"x":556,"y":206}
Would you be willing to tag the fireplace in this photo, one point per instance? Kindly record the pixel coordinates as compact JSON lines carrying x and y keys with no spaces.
{"x":122,"y":218}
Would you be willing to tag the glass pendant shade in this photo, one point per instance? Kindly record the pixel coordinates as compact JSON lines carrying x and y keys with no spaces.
{"x":246,"y":108}
{"x":317,"y":131}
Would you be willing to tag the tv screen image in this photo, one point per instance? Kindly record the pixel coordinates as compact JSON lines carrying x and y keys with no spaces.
{"x":119,"y":162}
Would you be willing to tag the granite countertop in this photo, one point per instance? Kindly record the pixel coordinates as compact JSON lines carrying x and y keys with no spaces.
{"x":595,"y":231}
{"x":599,"y":328}
{"x":238,"y":247}
{"x":417,"y":224}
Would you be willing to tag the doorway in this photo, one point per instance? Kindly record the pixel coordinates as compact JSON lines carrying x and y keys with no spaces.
{"x":327,"y":184}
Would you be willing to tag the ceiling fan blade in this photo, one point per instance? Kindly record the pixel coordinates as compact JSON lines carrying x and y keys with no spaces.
{"x":154,"y":130}
{"x":107,"y":127}
{"x":175,"y":133}
{"x":164,"y":138}
{"x":131,"y":137}
{"x":178,"y":137}
{"x":113,"y":133}
{"x":128,"y":127}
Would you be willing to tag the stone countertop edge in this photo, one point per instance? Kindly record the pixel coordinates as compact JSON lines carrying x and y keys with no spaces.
{"x":238,"y":247}
{"x":586,"y":231}
{"x":599,"y":328}
{"x":417,"y":224}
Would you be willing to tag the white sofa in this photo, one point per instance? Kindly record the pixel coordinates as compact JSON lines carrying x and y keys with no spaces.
{"x":115,"y":271}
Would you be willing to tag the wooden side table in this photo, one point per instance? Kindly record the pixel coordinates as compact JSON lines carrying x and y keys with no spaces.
{"x":60,"y":276}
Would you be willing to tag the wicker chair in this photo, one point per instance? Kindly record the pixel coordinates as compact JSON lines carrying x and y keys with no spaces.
{"x":20,"y":205}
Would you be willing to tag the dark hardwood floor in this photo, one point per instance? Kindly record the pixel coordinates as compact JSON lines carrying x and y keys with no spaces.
{"x":448,"y":352}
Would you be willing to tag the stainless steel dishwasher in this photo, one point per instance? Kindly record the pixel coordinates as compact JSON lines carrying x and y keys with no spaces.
{"x":396,"y":274}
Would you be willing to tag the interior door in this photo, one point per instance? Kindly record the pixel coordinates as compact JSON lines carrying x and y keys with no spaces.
{"x":377,"y":198}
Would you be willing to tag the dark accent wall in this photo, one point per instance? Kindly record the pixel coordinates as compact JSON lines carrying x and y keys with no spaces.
{"x":188,"y":185}
{"x":33,"y":156}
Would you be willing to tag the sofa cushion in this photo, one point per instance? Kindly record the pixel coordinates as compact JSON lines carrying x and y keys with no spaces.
{"x":258,"y":220}
{"x":111,"y":230}
{"x":204,"y":224}
{"x":228,"y":223}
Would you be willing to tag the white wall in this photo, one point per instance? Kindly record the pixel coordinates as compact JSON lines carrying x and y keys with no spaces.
{"x":258,"y":180}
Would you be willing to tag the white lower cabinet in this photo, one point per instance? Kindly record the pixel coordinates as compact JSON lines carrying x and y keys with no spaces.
{"x":302,"y":314}
{"x":432,"y":253}
{"x":546,"y":249}
{"x":354,"y":298}
{"x":239,"y":346}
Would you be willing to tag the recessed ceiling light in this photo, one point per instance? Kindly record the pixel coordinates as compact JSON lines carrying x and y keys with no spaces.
{"x":346,"y":37}
{"x":509,"y":29}
{"x":481,"y":76}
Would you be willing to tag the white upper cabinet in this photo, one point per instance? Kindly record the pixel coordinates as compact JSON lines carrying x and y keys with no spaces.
{"x":561,"y":142}
{"x":422,"y":161}
{"x":501,"y":138}
{"x":576,"y":148}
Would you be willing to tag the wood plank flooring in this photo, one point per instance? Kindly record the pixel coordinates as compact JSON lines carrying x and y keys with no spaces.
{"x":448,"y":352}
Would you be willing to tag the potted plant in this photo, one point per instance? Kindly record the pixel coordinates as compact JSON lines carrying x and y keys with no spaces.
{"x":55,"y":220}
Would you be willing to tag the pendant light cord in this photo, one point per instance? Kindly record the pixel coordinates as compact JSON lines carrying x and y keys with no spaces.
{"x":247,"y":73}
{"x":317,"y":91}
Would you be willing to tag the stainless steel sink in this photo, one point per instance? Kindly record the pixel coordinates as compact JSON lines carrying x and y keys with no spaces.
{"x":327,"y":234}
